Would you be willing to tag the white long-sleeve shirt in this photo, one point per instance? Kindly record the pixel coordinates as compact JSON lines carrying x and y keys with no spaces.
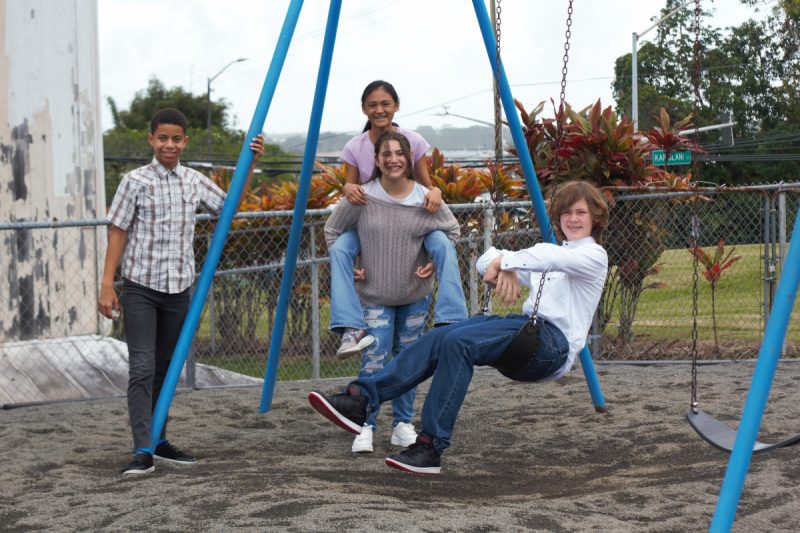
{"x":576,"y":273}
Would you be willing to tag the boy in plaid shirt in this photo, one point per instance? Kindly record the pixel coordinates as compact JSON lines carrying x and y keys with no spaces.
{"x":152,"y":219}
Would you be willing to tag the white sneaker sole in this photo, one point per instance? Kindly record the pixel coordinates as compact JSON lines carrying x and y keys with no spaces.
{"x":430,"y":470}
{"x":361,"y":448}
{"x":139,"y":472}
{"x":363,"y":343}
{"x":174,"y":462}
{"x":325,"y":409}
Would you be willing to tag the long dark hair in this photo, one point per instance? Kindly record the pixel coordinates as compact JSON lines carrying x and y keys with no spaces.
{"x":378,"y":84}
{"x":405,"y":146}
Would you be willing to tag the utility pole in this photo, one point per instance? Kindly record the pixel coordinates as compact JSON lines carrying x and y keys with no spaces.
{"x":498,"y":137}
{"x":635,"y":61}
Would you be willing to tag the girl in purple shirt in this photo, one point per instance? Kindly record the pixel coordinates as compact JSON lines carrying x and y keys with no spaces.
{"x":379,"y":102}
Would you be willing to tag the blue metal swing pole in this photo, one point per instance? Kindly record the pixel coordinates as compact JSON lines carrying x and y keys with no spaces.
{"x":531,"y":180}
{"x":223,"y":224}
{"x":763,"y":375}
{"x":295,"y":234}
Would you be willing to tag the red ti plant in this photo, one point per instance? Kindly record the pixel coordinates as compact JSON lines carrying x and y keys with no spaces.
{"x":714,"y":267}
{"x":540,"y":135}
{"x":668,"y":137}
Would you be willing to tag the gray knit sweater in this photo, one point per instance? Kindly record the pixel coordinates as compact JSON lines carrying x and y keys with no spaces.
{"x":391,"y":238}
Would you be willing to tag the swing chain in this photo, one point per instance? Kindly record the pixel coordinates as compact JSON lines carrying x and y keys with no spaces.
{"x":695,"y":230}
{"x":498,"y":145}
{"x":559,"y":135}
{"x":695,"y":282}
{"x":697,"y":60}
{"x":560,"y":116}
{"x":498,"y":124}
{"x":567,"y":35}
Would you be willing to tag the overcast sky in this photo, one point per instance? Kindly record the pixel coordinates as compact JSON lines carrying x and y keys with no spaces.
{"x":431,"y":50}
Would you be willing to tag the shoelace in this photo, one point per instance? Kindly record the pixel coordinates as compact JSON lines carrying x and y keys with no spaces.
{"x":350,"y":401}
{"x":418,"y":448}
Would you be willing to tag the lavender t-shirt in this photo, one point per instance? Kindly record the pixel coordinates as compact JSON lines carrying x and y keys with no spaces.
{"x":360,"y":151}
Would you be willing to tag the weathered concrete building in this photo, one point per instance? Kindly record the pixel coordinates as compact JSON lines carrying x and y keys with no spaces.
{"x":51,"y":168}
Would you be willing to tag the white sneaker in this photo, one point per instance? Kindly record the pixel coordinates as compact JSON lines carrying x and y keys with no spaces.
{"x":363,"y":441}
{"x":353,"y":341}
{"x":404,"y":435}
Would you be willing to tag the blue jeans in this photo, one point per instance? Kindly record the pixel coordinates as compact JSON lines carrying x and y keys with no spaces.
{"x":346,"y":312}
{"x":449,"y":354}
{"x":394,"y":329}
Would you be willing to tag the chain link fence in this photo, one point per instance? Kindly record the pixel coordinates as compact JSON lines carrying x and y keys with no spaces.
{"x":51,"y":336}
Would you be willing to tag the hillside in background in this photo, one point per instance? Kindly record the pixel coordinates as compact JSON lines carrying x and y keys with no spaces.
{"x":444,"y":138}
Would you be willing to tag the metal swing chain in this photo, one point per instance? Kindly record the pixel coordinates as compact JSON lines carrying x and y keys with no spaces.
{"x":695,"y":218}
{"x":498,"y":143}
{"x":559,"y":135}
{"x":561,"y":106}
{"x":556,"y":158}
{"x":498,"y":139}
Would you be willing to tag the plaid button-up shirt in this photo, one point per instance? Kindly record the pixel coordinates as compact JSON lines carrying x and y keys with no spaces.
{"x":157,"y":207}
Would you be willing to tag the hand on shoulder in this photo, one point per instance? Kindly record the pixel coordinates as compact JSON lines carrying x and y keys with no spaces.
{"x":433,"y":200}
{"x":354,"y":193}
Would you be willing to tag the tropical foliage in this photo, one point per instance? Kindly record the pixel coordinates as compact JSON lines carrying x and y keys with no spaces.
{"x":714,"y":267}
{"x":600,"y":146}
{"x":747,"y":73}
{"x":125,"y":145}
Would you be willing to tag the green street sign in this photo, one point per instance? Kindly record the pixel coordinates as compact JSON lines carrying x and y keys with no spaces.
{"x":675,"y":158}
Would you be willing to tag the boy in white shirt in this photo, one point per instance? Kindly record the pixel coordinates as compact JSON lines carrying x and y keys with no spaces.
{"x":575,"y":274}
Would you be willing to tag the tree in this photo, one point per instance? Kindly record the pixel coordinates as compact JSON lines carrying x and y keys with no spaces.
{"x":156,"y":96}
{"x":125,"y":145}
{"x":751,"y":72}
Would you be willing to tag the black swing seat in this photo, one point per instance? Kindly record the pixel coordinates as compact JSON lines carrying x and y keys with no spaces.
{"x":723,"y":437}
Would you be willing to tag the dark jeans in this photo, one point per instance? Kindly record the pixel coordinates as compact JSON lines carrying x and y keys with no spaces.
{"x":153,"y":323}
{"x":449,"y":354}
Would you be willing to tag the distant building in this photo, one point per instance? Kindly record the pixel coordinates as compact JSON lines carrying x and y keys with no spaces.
{"x":51,"y":167}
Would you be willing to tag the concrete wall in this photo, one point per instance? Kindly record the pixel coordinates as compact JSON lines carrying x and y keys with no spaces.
{"x":51,"y":166}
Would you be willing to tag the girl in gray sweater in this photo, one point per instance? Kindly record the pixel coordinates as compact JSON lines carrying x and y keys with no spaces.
{"x":394,"y":280}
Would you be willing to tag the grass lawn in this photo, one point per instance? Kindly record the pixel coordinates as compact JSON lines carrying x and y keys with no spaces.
{"x":666,"y":312}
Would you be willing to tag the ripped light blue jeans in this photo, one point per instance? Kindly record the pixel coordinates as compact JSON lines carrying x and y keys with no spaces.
{"x":394,"y":328}
{"x":346,"y":312}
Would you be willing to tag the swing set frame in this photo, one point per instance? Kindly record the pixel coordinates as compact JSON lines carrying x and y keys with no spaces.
{"x":745,"y":440}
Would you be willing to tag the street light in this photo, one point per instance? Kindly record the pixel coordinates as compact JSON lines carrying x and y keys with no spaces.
{"x":208,"y":101}
{"x":634,"y":61}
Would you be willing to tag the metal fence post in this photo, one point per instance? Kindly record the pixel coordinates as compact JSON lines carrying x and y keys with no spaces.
{"x":212,"y":326}
{"x":767,"y":276}
{"x":315,"y":304}
{"x":473,"y":278}
{"x":488,"y":226}
{"x":190,"y":371}
{"x":782,"y":249}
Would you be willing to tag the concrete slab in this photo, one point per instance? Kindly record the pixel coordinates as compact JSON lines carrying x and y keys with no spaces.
{"x":81,"y":367}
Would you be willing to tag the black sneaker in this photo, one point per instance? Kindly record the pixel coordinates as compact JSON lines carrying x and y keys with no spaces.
{"x":142,"y":463}
{"x":347,"y":410}
{"x":169,"y":452}
{"x":419,"y":458}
